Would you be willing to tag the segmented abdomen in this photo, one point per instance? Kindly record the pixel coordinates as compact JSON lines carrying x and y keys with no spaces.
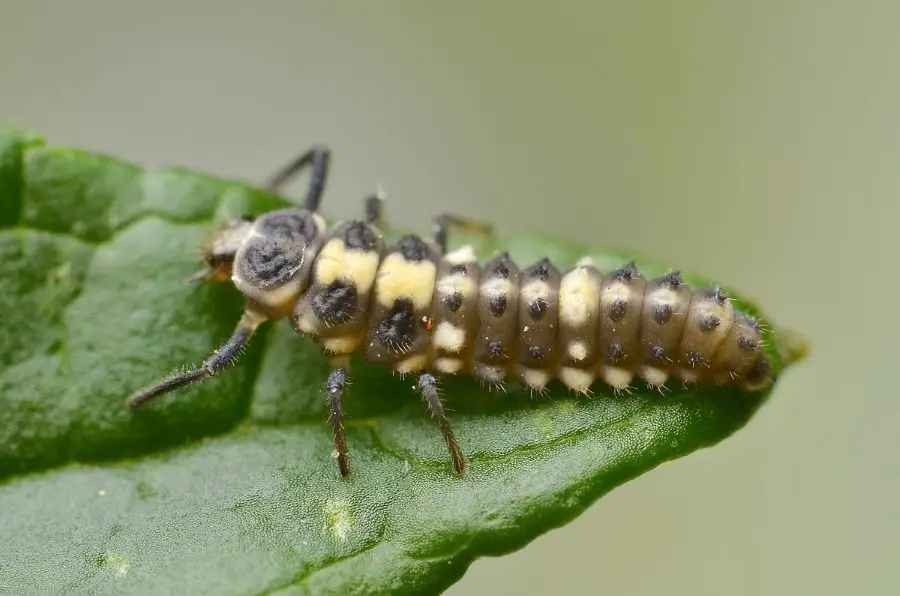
{"x":409,"y":308}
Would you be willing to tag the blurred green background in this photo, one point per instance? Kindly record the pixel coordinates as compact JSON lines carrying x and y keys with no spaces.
{"x":755,"y":142}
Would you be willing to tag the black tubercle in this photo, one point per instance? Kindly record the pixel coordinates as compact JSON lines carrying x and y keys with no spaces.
{"x":413,"y":248}
{"x":537,"y":308}
{"x":615,"y":352}
{"x":498,"y":266}
{"x":672,"y":280}
{"x":495,"y":349}
{"x":709,"y":322}
{"x":337,"y":303}
{"x":536,"y":352}
{"x":747,"y":344}
{"x":540,"y":270}
{"x":658,"y":352}
{"x":625,"y":272}
{"x":453,"y":301}
{"x":498,"y":305}
{"x":617,"y":310}
{"x":397,"y":330}
{"x":357,"y":235}
{"x":662,"y":314}
{"x":714,"y":293}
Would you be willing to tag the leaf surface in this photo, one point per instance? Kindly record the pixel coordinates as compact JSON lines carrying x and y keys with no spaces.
{"x":228,"y":487}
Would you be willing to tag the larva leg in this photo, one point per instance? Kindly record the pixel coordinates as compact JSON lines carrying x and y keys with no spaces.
{"x":429,"y":389}
{"x":318,"y":158}
{"x":373,"y":207}
{"x":335,"y":388}
{"x":445,"y":221}
{"x":226,"y":354}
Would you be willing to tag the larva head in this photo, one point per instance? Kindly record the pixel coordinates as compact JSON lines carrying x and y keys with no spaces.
{"x":272,"y":266}
{"x":221,"y":247}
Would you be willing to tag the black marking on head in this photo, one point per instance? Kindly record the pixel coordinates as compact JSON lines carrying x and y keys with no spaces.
{"x":498,"y":305}
{"x":459,"y":268}
{"x":337,"y":303}
{"x":672,"y":280}
{"x":413,"y":248}
{"x":615,"y":352}
{"x":498,"y":267}
{"x":747,"y":344}
{"x":625,"y":272}
{"x":397,"y":330}
{"x":294,"y":225}
{"x":540,"y":270}
{"x":357,"y":235}
{"x":453,"y":301}
{"x":270,"y":262}
{"x":617,"y":309}
{"x":697,"y":359}
{"x":537,"y":308}
{"x":658,"y":352}
{"x":495,"y":349}
{"x":536,"y":352}
{"x":708,"y":323}
{"x":663,"y":313}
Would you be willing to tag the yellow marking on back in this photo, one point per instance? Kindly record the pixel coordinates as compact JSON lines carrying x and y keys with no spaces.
{"x":449,"y":337}
{"x":579,"y":296}
{"x":335,"y":261}
{"x":398,"y":277}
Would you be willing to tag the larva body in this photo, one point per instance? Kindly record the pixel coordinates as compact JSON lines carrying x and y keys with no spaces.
{"x":418,"y":309}
{"x":415,"y":310}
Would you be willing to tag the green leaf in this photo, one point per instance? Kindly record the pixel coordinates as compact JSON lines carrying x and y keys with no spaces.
{"x":228,"y":487}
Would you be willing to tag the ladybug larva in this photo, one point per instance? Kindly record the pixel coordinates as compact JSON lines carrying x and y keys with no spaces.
{"x":418,"y":309}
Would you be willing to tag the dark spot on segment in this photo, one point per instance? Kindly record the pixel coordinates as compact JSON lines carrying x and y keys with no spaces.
{"x":662,"y":314}
{"x":499,"y":266}
{"x":453,"y":301}
{"x":697,"y":359}
{"x":337,"y":303}
{"x":625,"y":272}
{"x":708,"y":323}
{"x":658,"y":352}
{"x":747,"y":344}
{"x":397,"y":330}
{"x":498,"y":305}
{"x":537,"y":308}
{"x":357,"y":235}
{"x":715,"y":293}
{"x":672,"y":280}
{"x":540,"y":270}
{"x":413,"y":248}
{"x":536,"y":352}
{"x":617,"y":309}
{"x":459,"y":268}
{"x":615,"y":352}
{"x":495,"y":349}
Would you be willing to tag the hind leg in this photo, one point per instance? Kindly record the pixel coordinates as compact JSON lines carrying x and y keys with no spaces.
{"x":429,"y":390}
